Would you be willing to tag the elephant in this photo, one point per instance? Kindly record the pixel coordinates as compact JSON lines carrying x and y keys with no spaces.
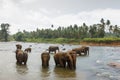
{"x":80,"y":50}
{"x":59,"y":59}
{"x":18,"y":46}
{"x":64,"y":59}
{"x":28,"y":49}
{"x":85,"y":50}
{"x":53,"y":49}
{"x":45,"y":57}
{"x":21,"y":56}
{"x":73,"y":55}
{"x":69,"y":61}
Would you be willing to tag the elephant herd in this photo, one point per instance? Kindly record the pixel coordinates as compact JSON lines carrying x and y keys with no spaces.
{"x":62,"y":59}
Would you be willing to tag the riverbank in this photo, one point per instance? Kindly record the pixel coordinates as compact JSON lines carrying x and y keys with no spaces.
{"x":101,"y":41}
{"x":86,"y":41}
{"x":100,"y":44}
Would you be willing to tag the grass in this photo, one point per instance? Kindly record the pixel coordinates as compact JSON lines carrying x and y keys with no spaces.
{"x":101,"y":40}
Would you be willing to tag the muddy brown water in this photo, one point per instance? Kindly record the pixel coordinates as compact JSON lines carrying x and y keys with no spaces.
{"x":92,"y":67}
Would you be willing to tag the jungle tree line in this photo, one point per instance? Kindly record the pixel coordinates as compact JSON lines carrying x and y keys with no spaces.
{"x":100,"y":30}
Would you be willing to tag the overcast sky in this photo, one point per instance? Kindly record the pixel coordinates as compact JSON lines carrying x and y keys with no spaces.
{"x":32,"y":14}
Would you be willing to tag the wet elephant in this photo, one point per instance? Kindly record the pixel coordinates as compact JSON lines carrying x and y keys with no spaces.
{"x":85,"y":50}
{"x":64,"y":59}
{"x":28,"y":49}
{"x":45,"y":57}
{"x":80,"y":50}
{"x":73,"y":55}
{"x":53,"y":49}
{"x":18,"y":46}
{"x":59,"y":59}
{"x":21,"y":56}
{"x":69,"y":61}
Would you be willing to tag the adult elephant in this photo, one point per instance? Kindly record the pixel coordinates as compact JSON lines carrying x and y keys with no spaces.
{"x":18,"y":46}
{"x":21,"y":56}
{"x":85,"y":50}
{"x":80,"y":50}
{"x":64,"y":59}
{"x":28,"y":49}
{"x":53,"y":49}
{"x":60,"y":59}
{"x":45,"y":57}
{"x":73,"y":55}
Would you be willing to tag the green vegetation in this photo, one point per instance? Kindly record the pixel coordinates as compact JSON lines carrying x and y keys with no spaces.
{"x":73,"y":34}
{"x":101,"y":40}
{"x":4,"y":32}
{"x":54,"y":40}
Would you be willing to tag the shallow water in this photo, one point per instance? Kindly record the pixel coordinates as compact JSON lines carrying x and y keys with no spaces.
{"x":92,"y":67}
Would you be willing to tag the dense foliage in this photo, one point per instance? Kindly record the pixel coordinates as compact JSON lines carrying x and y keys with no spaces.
{"x":69,"y":34}
{"x":100,"y":30}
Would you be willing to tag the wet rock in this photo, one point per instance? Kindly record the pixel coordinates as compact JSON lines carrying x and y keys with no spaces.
{"x":114,"y":64}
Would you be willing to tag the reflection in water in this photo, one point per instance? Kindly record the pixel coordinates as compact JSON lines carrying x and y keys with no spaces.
{"x":45,"y":72}
{"x":22,"y":69}
{"x":64,"y":73}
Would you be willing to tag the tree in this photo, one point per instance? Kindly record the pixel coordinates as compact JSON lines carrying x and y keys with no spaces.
{"x":5,"y":31}
{"x":19,"y":36}
{"x":108,"y":27}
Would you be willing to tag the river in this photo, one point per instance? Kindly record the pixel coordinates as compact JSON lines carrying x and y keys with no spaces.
{"x":92,"y":67}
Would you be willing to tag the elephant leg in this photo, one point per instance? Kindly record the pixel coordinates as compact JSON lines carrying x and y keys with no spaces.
{"x":42,"y":63}
{"x":88,"y":51}
{"x":79,"y":53}
{"x":61,"y":63}
{"x":49,"y":51}
{"x":55,"y":51}
{"x":56,"y":61}
{"x":74,"y":64}
{"x":47,"y":63}
{"x":68,"y":64}
{"x":64,"y":63}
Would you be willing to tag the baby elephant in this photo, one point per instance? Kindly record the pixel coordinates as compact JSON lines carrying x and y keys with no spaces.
{"x":45,"y":57}
{"x":53,"y":49}
{"x":28,"y":50}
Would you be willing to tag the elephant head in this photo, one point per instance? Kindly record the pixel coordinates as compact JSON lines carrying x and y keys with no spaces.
{"x":45,"y":57}
{"x":53,"y":49}
{"x":18,"y":46}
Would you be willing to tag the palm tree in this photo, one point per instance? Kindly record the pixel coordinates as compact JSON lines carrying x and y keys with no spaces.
{"x":108,"y":23}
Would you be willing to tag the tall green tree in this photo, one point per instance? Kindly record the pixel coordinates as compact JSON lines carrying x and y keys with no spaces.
{"x":5,"y":31}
